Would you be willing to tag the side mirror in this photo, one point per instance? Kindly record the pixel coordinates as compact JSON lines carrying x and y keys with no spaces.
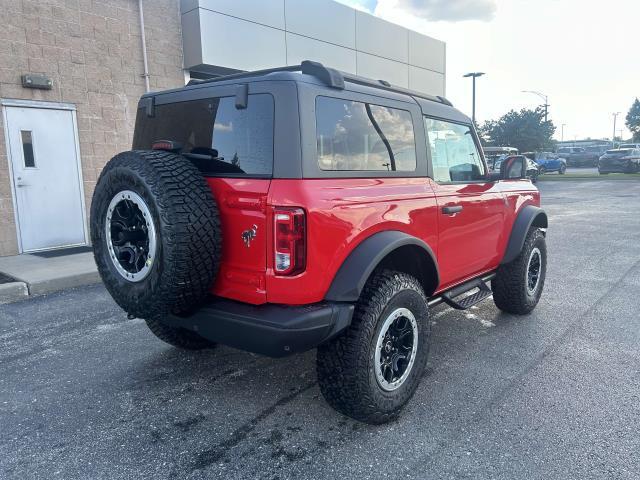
{"x":513,"y":168}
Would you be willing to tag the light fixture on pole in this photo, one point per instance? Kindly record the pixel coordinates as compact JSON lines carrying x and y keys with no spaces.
{"x":473,"y":76}
{"x":613,"y":138}
{"x":546,"y":101}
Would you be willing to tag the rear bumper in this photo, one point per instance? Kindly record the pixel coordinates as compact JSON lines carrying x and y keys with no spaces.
{"x":272,"y":330}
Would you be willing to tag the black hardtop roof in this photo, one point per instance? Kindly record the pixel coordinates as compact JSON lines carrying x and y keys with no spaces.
{"x":316,"y":73}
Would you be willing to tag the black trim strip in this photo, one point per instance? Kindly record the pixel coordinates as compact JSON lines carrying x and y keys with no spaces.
{"x":392,"y":158}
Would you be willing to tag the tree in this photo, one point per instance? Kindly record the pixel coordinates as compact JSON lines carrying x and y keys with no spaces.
{"x":633,"y":120}
{"x":525,"y":130}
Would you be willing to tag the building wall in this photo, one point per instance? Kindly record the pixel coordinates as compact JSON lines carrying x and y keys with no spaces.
{"x":91,"y":49}
{"x":255,"y":34}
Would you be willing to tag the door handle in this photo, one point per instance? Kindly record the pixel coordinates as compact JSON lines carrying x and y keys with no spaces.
{"x":21,"y":183}
{"x":452,"y":210}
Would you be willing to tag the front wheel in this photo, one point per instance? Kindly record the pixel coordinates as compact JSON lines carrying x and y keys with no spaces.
{"x":372,"y":370}
{"x":518,"y":285}
{"x":563,"y":169}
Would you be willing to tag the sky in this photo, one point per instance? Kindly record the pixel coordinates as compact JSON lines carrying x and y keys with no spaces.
{"x":583,"y":54}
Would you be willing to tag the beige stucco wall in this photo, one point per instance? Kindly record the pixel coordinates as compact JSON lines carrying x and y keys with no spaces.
{"x":91,"y":49}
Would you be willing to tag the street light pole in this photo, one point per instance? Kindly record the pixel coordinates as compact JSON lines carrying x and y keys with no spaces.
{"x":613,"y":138}
{"x":473,"y":76}
{"x":562,"y":132}
{"x":546,"y":102}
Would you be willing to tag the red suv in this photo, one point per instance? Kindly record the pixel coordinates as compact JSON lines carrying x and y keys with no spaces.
{"x":283,"y":210}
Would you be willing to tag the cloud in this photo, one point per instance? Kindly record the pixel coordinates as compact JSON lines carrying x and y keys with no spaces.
{"x":444,"y":10}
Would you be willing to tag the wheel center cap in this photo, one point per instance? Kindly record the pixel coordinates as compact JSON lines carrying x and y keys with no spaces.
{"x":388,"y":347}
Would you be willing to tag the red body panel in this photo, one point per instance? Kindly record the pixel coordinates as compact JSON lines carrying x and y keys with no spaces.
{"x":341,"y":213}
{"x":242,"y":204}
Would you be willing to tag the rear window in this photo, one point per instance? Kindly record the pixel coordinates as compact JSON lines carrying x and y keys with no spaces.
{"x":215,"y":135}
{"x":361,"y":136}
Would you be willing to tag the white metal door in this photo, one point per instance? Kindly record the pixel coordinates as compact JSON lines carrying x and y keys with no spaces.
{"x":47,"y":183}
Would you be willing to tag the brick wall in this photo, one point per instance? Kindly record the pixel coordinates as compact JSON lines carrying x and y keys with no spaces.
{"x":91,"y":49}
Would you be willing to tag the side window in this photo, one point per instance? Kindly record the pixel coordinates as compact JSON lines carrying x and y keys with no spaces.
{"x":218,"y":137}
{"x":356,"y":136}
{"x":454,"y":154}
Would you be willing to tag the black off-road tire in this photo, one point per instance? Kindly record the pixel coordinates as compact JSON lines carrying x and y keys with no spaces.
{"x":345,"y":365}
{"x":188,"y":233}
{"x":510,"y":290}
{"x":178,"y":337}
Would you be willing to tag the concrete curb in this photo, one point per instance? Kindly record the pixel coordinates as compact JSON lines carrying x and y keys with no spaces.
{"x":62,"y":283}
{"x":41,"y":275}
{"x":13,"y":291}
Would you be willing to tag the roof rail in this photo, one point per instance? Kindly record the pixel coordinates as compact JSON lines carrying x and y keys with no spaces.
{"x":329,"y":76}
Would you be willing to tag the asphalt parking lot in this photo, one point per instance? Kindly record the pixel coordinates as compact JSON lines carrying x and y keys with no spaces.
{"x":86,"y":393}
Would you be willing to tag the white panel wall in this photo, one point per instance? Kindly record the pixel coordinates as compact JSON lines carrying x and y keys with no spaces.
{"x":233,"y":43}
{"x":324,"y":20}
{"x":426,"y":52}
{"x":265,"y":12}
{"x":380,"y":38}
{"x":423,"y":80}
{"x":256,"y":34}
{"x":301,"y":48}
{"x":396,"y":73}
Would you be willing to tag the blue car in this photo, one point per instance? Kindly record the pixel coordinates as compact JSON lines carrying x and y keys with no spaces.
{"x":548,"y":162}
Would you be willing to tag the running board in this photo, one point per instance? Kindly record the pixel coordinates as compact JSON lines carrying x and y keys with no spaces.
{"x":451,"y":297}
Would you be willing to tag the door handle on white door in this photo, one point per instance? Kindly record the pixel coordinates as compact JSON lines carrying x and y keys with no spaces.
{"x":21,"y":183}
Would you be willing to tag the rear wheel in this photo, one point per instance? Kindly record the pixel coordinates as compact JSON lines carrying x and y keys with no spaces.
{"x":371,"y":371}
{"x":518,"y":285}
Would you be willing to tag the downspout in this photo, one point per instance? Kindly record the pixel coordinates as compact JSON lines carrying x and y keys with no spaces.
{"x":145,"y":60}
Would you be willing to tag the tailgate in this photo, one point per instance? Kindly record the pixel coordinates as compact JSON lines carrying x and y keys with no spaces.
{"x":243,"y":214}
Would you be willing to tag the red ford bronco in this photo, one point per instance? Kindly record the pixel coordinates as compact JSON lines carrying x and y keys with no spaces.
{"x":282,"y":210}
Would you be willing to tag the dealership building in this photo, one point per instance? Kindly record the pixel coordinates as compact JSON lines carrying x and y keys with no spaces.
{"x":72,"y":73}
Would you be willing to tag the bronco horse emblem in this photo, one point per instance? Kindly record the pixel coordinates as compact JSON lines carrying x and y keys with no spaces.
{"x":249,"y":235}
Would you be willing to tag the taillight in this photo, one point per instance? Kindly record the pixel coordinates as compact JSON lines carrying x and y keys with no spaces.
{"x":290,"y":241}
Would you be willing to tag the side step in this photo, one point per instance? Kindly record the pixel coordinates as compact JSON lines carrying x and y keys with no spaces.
{"x":450,"y":297}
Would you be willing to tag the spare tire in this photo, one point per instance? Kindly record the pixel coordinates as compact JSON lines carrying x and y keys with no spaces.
{"x":155,"y":229}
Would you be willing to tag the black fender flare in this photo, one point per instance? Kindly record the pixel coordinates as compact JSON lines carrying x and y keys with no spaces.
{"x":528,"y":216}
{"x":358,"y":266}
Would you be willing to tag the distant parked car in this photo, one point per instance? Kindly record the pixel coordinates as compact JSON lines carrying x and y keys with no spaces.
{"x":533,"y":170}
{"x":620,"y":160}
{"x":629,"y":145}
{"x":597,"y":149}
{"x":578,"y":157}
{"x":495,"y":155}
{"x":548,"y":162}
